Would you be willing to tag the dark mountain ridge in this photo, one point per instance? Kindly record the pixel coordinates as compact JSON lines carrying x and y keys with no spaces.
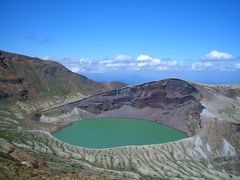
{"x":23,"y":77}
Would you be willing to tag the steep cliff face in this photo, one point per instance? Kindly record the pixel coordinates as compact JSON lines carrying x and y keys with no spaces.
{"x":23,"y":77}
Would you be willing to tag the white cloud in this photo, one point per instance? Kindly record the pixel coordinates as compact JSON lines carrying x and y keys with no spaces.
{"x":106,"y":61}
{"x":83,"y":60}
{"x":115,"y":65}
{"x":237,"y":66}
{"x":230,"y":67}
{"x":142,"y":64}
{"x":46,"y":58}
{"x":168,"y":65}
{"x":122,"y":57}
{"x":218,"y":56}
{"x":162,"y":68}
{"x":199,"y":66}
{"x":143,"y":57}
{"x":75,"y":69}
{"x":155,"y":62}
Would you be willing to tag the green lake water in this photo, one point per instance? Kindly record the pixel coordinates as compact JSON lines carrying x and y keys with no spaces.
{"x":115,"y":132}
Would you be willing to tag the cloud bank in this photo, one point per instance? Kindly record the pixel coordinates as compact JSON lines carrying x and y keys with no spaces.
{"x":119,"y":63}
{"x":122,"y":63}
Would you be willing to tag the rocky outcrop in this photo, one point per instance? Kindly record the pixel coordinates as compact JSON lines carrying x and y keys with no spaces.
{"x":14,"y":89}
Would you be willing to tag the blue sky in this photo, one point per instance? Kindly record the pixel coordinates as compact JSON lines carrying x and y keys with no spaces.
{"x":129,"y":40}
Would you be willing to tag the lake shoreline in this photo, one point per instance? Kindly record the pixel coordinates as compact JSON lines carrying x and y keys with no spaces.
{"x":122,"y":132}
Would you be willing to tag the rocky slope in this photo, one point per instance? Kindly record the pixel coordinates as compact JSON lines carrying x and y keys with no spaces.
{"x":23,"y":78}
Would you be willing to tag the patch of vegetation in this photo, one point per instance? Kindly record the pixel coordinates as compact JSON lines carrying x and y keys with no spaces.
{"x":5,"y":156}
{"x":5,"y":105}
